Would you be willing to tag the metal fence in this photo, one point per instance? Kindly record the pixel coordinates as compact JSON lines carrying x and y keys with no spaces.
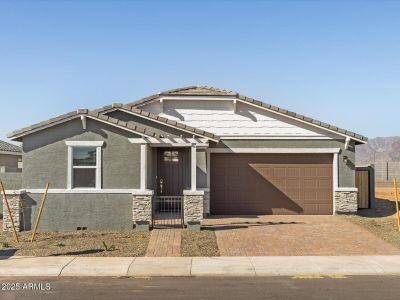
{"x":168,"y":211}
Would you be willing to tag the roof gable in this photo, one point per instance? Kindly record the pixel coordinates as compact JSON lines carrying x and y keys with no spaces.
{"x":81,"y":113}
{"x":202,"y":91}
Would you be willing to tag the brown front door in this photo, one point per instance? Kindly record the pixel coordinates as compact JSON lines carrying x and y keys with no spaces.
{"x":170,"y":172}
{"x":271,"y":184}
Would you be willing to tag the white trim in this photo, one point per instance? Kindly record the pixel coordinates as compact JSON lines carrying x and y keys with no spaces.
{"x":335,"y":170}
{"x":194,"y":193}
{"x":346,"y":189}
{"x":269,"y":137}
{"x":84,"y":143}
{"x":273,"y":150}
{"x":11,"y":153}
{"x":70,"y":174}
{"x":335,"y":175}
{"x":83,"y":119}
{"x":15,"y":192}
{"x":346,"y":145}
{"x":163,"y":123}
{"x":208,"y":157}
{"x":203,"y":189}
{"x":193,"y":166}
{"x":234,"y":105}
{"x":98,"y":167}
{"x":197,"y":98}
{"x":143,"y":166}
{"x":84,"y":191}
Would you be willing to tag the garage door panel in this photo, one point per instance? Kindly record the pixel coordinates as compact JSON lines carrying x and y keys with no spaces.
{"x":271,"y":184}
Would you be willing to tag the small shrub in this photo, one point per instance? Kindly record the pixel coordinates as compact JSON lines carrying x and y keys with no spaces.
{"x":5,"y":245}
{"x":60,"y":244}
{"x":111,"y":248}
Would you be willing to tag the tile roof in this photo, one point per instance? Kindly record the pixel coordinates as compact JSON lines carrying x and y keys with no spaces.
{"x":149,"y":115}
{"x":74,"y":114}
{"x":7,"y":147}
{"x":192,"y":91}
{"x":211,"y":91}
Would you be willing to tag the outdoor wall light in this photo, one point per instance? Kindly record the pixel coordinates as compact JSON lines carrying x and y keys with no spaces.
{"x":345,"y":159}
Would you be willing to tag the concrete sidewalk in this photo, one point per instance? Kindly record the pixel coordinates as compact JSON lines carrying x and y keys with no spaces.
{"x":200,"y":266}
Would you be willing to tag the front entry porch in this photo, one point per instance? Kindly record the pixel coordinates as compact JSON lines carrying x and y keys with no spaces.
{"x":168,"y":195}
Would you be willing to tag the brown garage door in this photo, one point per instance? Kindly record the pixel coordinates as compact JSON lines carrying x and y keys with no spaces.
{"x":271,"y":184}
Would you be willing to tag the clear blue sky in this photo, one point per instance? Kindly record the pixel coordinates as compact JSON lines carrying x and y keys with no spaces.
{"x":337,"y":61}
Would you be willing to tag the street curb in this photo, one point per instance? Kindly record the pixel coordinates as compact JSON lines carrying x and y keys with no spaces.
{"x":252,"y":266}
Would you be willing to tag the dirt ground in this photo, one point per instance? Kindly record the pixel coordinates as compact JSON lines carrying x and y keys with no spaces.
{"x":77,"y":243}
{"x":385,"y":193}
{"x":381,"y":220}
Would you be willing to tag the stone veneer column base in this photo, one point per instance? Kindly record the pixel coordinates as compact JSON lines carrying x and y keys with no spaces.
{"x":346,"y":201}
{"x":15,"y":201}
{"x":193,"y":208}
{"x":142,"y":212}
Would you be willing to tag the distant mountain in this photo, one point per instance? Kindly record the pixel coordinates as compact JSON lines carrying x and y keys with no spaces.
{"x":385,"y":149}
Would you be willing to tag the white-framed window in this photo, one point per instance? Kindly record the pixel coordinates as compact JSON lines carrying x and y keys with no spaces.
{"x":84,"y":164}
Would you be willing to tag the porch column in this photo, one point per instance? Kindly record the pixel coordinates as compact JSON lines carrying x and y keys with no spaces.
{"x":193,"y":167}
{"x":143,"y":167}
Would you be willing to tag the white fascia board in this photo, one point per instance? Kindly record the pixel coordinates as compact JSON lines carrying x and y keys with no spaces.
{"x":165,"y":124}
{"x":269,"y":137}
{"x":274,"y":150}
{"x":197,"y":98}
{"x":86,"y":191}
{"x":11,"y":153}
{"x":84,"y":143}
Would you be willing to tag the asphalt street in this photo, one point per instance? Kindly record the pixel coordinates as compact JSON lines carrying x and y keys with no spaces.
{"x":298,"y":287}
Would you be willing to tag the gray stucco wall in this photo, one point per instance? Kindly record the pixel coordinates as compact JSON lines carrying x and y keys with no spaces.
{"x":11,"y":180}
{"x":346,"y":171}
{"x":45,"y":156}
{"x":66,"y":212}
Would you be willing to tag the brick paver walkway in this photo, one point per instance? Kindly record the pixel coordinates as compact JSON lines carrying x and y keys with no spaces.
{"x":164,"y":242}
{"x":295,"y":235}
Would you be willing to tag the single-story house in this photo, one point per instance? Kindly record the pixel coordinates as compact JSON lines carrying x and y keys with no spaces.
{"x":183,"y":154}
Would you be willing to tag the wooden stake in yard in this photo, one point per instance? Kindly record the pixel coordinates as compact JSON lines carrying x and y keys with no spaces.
{"x":40,"y":213}
{"x":396,"y":197}
{"x":9,"y":212}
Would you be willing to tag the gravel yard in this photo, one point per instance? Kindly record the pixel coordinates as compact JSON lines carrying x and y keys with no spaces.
{"x":77,"y":243}
{"x":199,"y":243}
{"x":380,"y":220}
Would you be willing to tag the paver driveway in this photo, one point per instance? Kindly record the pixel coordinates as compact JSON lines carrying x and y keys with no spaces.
{"x":294,"y":235}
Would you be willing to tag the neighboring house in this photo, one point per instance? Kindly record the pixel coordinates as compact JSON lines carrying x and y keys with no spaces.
{"x":10,"y":157}
{"x":194,"y":150}
{"x":10,"y":167}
